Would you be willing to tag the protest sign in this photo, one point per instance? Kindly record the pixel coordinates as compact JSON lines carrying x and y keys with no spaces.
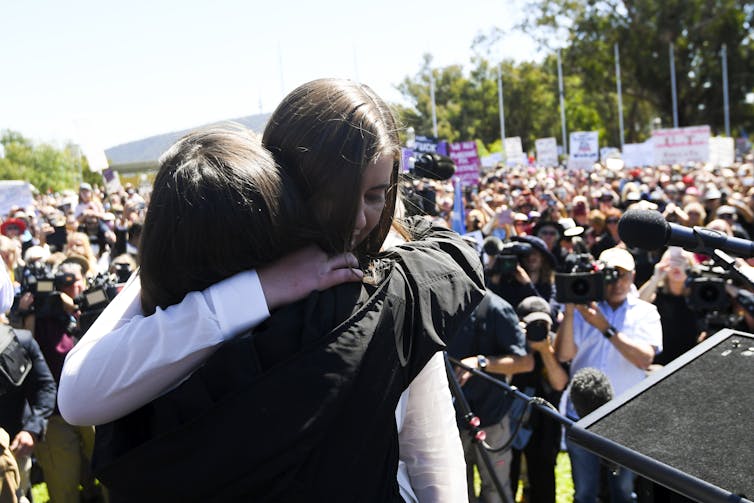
{"x":681,"y":145}
{"x":584,"y":149}
{"x":722,"y":151}
{"x":636,"y":155}
{"x":514,"y":152}
{"x":15,"y":193}
{"x":466,"y":159}
{"x":547,"y":151}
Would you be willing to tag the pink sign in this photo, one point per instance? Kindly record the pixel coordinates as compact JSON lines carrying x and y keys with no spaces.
{"x":466,"y":159}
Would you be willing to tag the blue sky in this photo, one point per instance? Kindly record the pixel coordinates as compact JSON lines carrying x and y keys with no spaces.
{"x":117,"y":72}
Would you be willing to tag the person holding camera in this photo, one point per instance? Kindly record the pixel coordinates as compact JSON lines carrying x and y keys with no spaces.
{"x":620,"y":336}
{"x":667,"y":289}
{"x":65,"y":452}
{"x":540,"y":440}
{"x":490,"y":340}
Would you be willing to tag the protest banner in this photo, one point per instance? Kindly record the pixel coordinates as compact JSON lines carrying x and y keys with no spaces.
{"x":466,"y":159}
{"x":15,"y":193}
{"x":547,"y":151}
{"x":514,"y":152}
{"x":636,"y":155}
{"x":491,"y":161}
{"x":681,"y":145}
{"x":584,"y":149}
{"x":722,"y":151}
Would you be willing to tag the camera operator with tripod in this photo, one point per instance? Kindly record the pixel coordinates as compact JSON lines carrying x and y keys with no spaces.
{"x":620,"y":336}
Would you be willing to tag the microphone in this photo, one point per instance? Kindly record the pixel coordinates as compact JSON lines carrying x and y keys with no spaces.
{"x":434,"y":166}
{"x":590,"y":390}
{"x":648,"y":230}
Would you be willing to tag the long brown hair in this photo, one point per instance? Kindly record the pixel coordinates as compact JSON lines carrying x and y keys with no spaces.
{"x":323,"y":135}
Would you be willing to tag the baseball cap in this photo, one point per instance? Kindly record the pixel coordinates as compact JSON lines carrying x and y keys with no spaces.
{"x":85,"y":186}
{"x":533,"y":308}
{"x":618,"y":257}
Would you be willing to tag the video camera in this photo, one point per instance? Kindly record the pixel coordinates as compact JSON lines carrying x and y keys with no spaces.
{"x":507,"y":255}
{"x":706,"y":295}
{"x":706,"y":286}
{"x":44,"y":285}
{"x":585,"y":282}
{"x":100,"y":291}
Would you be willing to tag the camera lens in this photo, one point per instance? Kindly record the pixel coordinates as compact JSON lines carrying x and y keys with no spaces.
{"x":580,"y":287}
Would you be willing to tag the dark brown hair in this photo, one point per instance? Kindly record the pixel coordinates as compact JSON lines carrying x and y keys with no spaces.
{"x":214,"y":212}
{"x":323,"y":135}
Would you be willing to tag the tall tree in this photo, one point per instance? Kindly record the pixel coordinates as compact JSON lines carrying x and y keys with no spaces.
{"x":588,"y":29}
{"x":44,"y":166}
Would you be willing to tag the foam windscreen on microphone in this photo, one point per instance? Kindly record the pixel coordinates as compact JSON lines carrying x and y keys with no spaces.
{"x":492,"y":245}
{"x":434,"y":166}
{"x":590,"y":390}
{"x":645,"y":229}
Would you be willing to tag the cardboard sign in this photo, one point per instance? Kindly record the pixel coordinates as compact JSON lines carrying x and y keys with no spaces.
{"x":514,"y":152}
{"x":681,"y":145}
{"x":584,"y":148}
{"x":15,"y":193}
{"x":722,"y":151}
{"x":466,"y":159}
{"x":637,"y":155}
{"x":547,"y":151}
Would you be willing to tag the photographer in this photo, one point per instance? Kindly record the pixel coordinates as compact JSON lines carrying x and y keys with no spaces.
{"x":620,"y":336}
{"x":668,"y":290}
{"x":65,"y":452}
{"x":541,"y":443}
{"x":520,"y":268}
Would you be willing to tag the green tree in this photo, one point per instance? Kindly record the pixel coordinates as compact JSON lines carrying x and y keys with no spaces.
{"x":698,"y":29}
{"x":44,"y":166}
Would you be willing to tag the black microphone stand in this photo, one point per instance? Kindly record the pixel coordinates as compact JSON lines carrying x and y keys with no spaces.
{"x":471,"y":422}
{"x":605,"y":448}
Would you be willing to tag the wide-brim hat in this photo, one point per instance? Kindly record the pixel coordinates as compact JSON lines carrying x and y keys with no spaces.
{"x":11,"y":223}
{"x":539,"y":245}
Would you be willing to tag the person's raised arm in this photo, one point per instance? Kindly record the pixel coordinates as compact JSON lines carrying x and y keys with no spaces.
{"x":565,"y":346}
{"x":126,"y":360}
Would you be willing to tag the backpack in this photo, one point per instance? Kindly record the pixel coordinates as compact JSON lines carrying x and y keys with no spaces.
{"x":15,"y":363}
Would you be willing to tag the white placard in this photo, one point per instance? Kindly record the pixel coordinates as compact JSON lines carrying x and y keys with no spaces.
{"x":547,"y":151}
{"x":722,"y":151}
{"x":584,"y":149}
{"x":637,"y":155}
{"x":514,"y":152}
{"x":681,"y":145}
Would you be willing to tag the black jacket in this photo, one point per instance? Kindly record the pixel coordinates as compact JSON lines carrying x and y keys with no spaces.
{"x":28,"y":407}
{"x":303,"y":409}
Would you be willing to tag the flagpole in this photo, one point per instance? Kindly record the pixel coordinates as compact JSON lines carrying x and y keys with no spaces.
{"x":672,"y":85}
{"x":500,"y":105}
{"x":562,"y":104}
{"x":726,"y":103}
{"x":620,"y":94}
{"x":432,"y":96}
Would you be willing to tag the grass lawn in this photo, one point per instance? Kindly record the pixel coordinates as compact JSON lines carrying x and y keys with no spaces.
{"x":563,"y":484}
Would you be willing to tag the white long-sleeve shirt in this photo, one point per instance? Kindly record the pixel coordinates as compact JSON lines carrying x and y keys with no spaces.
{"x":125,"y":360}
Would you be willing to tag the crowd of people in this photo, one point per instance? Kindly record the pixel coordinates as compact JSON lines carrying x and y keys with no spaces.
{"x":526,"y":224}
